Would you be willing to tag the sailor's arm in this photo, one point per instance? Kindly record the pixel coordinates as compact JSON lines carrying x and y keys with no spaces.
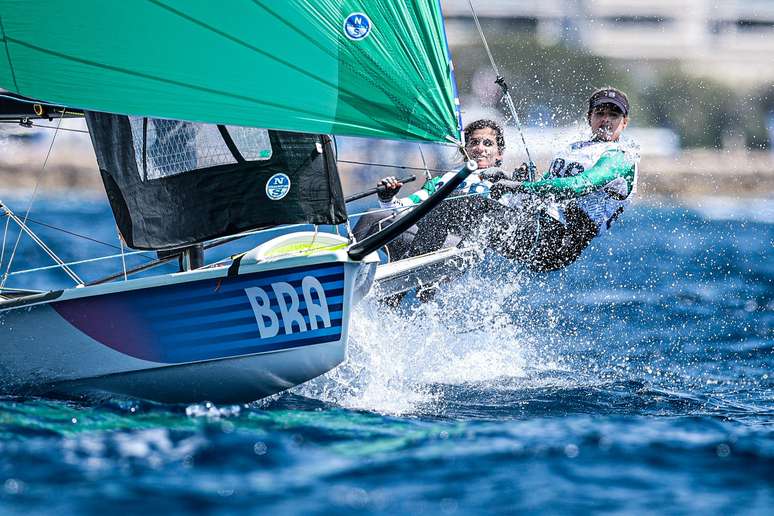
{"x":430,"y":186}
{"x":612,"y":165}
{"x":389,"y":200}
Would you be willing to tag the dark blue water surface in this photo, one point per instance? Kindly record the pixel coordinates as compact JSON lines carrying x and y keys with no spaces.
{"x":639,"y":380}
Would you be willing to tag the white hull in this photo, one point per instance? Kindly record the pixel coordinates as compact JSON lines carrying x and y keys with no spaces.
{"x":419,"y":272}
{"x":201,"y":335}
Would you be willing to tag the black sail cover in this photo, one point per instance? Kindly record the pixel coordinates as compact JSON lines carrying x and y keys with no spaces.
{"x":173,"y":183}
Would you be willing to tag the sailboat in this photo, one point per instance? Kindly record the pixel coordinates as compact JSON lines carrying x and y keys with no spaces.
{"x":210,"y":120}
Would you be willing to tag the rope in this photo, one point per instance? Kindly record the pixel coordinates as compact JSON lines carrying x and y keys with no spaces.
{"x":316,"y":232}
{"x":19,"y":99}
{"x":123,"y":256}
{"x":428,"y":175}
{"x":350,"y":235}
{"x":30,"y":125}
{"x":78,"y":262}
{"x":60,"y":129}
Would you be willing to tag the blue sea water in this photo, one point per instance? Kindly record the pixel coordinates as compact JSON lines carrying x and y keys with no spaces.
{"x":639,"y":380}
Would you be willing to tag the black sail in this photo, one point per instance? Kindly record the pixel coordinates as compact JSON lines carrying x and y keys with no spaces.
{"x":172,"y":183}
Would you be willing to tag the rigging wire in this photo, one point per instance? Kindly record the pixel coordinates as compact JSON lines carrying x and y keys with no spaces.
{"x":402,"y":167}
{"x":77,"y":262}
{"x":23,"y":228}
{"x":74,"y":234}
{"x":5,"y":235}
{"x":239,"y":235}
{"x":481,"y":33}
{"x":428,"y":176}
{"x":23,"y":223}
{"x":500,"y":81}
{"x":31,"y":125}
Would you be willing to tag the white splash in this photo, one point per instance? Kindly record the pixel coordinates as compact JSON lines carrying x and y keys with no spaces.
{"x":399,"y":360}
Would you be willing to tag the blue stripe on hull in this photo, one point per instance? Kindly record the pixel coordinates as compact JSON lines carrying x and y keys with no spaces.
{"x":221,"y":328}
{"x":212,"y":318}
{"x":219,"y":316}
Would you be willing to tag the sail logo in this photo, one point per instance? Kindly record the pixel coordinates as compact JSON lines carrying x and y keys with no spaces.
{"x":277,"y":186}
{"x":357,"y":26}
{"x":290,"y":318}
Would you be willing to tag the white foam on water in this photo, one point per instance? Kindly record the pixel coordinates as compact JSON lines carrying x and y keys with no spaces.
{"x":399,"y":360}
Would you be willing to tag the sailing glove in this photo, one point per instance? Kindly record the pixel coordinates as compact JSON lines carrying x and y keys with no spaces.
{"x":388,"y":188}
{"x":521,"y":173}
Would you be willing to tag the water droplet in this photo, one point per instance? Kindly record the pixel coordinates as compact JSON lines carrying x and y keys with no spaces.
{"x":260,"y":448}
{"x":13,"y":486}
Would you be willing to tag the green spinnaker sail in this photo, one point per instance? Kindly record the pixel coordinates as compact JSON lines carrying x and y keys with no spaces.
{"x":374,"y":68}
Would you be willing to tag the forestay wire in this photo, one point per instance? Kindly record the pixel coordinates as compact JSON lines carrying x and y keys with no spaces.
{"x":500,"y":81}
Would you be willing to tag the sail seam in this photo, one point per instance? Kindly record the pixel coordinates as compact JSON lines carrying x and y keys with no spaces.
{"x":322,"y":80}
{"x":145,"y":148}
{"x":8,"y":55}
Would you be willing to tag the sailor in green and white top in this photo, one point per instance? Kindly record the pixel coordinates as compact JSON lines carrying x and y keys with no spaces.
{"x":550,"y":221}
{"x":484,"y":143}
{"x":598,"y":175}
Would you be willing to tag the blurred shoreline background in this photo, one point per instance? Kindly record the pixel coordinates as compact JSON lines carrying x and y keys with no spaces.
{"x":699,"y":75}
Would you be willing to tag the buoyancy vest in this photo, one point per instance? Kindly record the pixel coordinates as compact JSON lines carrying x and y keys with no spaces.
{"x":615,"y":185}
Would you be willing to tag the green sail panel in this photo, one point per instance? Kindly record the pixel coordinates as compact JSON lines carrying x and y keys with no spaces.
{"x":371,"y":68}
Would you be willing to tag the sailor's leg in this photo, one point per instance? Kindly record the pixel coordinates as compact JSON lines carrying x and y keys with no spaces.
{"x":564,"y":243}
{"x":371,"y":222}
{"x":545,"y":252}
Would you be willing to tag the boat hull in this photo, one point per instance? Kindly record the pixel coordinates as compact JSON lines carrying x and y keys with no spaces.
{"x":421,"y":271}
{"x":211,"y":334}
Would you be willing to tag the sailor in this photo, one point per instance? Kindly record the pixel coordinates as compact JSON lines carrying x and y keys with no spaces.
{"x":485,"y":144}
{"x":587,"y":186}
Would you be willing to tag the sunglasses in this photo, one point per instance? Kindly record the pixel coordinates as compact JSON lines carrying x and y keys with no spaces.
{"x":601,"y":110}
{"x":486,"y":142}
